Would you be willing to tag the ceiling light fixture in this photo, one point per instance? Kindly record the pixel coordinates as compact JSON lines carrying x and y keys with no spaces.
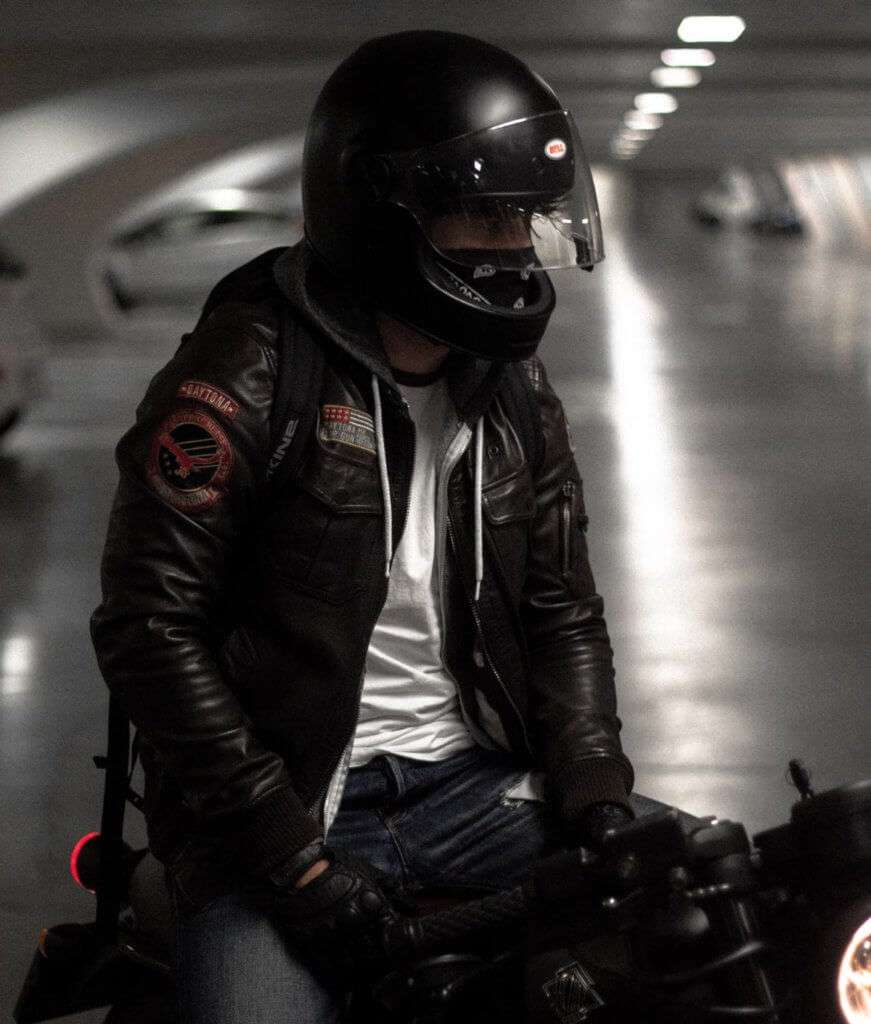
{"x":633,"y":135}
{"x":641,"y":121}
{"x":630,"y":138}
{"x":656,"y":103}
{"x":675,"y":78}
{"x":710,"y":29}
{"x":684,"y":57}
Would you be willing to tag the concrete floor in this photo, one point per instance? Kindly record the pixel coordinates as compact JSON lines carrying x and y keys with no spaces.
{"x":718,"y":391}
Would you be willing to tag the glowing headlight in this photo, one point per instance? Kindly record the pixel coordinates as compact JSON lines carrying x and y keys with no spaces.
{"x":854,"y":977}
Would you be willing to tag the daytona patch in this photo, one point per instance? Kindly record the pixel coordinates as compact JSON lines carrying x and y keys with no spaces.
{"x":190,"y":460}
{"x":347,"y":425}
{"x":197,"y":391}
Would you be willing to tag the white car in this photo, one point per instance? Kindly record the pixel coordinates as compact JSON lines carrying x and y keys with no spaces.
{"x":174,"y":255}
{"x":757,"y":200}
{"x":22,"y":347}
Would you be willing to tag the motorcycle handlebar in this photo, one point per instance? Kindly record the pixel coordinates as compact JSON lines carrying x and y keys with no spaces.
{"x":561,"y":878}
{"x":412,"y":937}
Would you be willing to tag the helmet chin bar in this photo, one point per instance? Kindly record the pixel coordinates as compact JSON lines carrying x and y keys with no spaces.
{"x":403,"y":279}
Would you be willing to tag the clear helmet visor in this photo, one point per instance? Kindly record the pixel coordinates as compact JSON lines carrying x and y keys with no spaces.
{"x":519,"y":195}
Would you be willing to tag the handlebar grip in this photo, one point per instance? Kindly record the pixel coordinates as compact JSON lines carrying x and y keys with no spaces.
{"x":416,"y":936}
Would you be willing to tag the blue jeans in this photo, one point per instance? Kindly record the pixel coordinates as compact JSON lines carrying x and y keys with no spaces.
{"x":450,"y":824}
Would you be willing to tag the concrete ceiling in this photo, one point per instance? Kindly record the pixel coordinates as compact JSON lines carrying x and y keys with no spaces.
{"x":105,"y":104}
{"x":797,"y":81}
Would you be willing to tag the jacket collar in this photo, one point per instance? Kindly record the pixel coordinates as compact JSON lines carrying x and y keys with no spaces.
{"x":334,"y":312}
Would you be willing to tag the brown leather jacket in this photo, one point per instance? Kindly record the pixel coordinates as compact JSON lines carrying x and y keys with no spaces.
{"x":235,"y":628}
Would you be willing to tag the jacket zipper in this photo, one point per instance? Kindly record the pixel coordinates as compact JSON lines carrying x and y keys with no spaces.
{"x":479,"y":627}
{"x":452,"y":456}
{"x":339,"y":774}
{"x":568,"y":490}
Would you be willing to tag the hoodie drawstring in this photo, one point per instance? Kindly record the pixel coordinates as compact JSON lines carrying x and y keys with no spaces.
{"x":388,"y":505}
{"x":479,"y":530}
{"x":385,"y":480}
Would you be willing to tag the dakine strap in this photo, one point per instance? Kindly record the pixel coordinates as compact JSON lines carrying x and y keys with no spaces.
{"x":116,"y":765}
{"x":295,"y":404}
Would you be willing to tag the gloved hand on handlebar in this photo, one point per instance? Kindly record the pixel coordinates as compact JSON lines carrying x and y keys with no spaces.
{"x":596,"y":821}
{"x":337,"y":919}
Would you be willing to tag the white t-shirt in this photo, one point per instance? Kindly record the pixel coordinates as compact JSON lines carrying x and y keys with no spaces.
{"x":409,"y":704}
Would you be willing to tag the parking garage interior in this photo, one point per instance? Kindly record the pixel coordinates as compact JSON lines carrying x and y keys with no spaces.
{"x":715,"y":368}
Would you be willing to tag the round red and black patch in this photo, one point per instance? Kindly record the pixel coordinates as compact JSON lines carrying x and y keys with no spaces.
{"x":190,"y":460}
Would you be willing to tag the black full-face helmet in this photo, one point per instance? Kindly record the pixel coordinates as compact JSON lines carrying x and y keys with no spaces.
{"x":442,"y":179}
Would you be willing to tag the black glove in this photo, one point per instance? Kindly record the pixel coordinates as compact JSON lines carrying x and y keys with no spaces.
{"x":336,"y":921}
{"x":598,"y":819}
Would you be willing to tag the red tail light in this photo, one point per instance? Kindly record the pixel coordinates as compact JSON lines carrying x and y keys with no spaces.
{"x":84,"y":862}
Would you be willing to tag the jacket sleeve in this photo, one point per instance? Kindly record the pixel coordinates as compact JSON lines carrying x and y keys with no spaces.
{"x":189,"y":468}
{"x":573,"y":708}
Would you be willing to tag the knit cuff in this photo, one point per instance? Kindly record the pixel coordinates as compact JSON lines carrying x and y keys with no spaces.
{"x":275,"y":828}
{"x":596,"y":780}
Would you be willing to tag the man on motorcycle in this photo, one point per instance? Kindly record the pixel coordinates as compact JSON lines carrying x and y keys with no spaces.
{"x":393,"y":671}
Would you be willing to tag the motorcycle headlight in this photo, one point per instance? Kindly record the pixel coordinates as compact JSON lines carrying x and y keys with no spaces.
{"x":854,"y":977}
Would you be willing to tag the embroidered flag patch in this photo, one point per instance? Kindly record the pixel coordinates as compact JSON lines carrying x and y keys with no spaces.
{"x":347,"y":425}
{"x":190,"y":460}
{"x":209,"y":395}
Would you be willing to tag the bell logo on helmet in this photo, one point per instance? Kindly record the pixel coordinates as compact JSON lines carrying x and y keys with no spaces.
{"x":556,"y":149}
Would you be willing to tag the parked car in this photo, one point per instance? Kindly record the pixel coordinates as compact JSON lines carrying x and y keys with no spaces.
{"x":779,"y":221}
{"x":754,"y":200}
{"x":173,"y":256}
{"x":22,"y":347}
{"x":733,"y":200}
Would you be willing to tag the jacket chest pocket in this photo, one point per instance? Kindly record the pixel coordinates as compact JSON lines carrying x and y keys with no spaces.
{"x":509,"y":506}
{"x":324,"y":536}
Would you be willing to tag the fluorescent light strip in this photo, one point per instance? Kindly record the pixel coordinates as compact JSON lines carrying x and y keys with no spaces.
{"x":656,"y":103}
{"x":640,"y":121}
{"x":684,"y":57}
{"x":675,"y":78}
{"x":710,"y":29}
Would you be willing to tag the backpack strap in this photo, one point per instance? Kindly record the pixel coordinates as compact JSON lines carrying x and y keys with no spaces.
{"x":295,"y":404}
{"x":110,"y":884}
{"x":300,"y":361}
